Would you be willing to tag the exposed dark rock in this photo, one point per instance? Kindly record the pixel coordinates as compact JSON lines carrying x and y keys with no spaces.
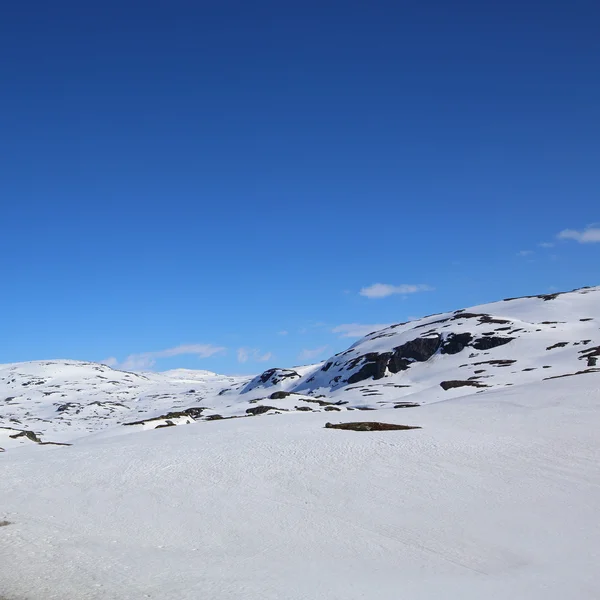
{"x":304,"y":408}
{"x":448,"y":385}
{"x":272,"y":376}
{"x":194,"y":412}
{"x":167,"y":424}
{"x":327,"y":366}
{"x":431,"y":323}
{"x":545,"y":297}
{"x":370,"y":426}
{"x":213,"y":418}
{"x":30,"y":435}
{"x":455,"y":343}
{"x":419,"y":349}
{"x":406,"y":405}
{"x":572,"y":374}
{"x":500,"y":362}
{"x":259,"y":410}
{"x":374,"y":366}
{"x":489,"y":319}
{"x":487,"y":343}
{"x":323,"y":402}
{"x":279,"y":395}
{"x":557,"y":345}
{"x":591,"y":355}
{"x":66,"y":406}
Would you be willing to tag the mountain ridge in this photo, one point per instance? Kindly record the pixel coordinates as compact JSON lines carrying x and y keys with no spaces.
{"x":473,"y":350}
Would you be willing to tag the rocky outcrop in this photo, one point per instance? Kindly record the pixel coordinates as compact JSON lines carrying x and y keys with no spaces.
{"x":369,"y":426}
{"x":259,"y":410}
{"x":376,"y":365}
{"x":448,"y":385}
{"x":270,"y":378}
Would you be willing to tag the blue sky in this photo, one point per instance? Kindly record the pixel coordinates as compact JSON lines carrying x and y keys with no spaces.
{"x":219,"y":185}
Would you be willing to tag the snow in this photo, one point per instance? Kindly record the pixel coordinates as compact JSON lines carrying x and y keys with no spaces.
{"x":493,"y":498}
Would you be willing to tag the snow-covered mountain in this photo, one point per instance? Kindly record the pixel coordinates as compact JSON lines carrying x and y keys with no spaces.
{"x":469,"y":351}
{"x":488,"y":488}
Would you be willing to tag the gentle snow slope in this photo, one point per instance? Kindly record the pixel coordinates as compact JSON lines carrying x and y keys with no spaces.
{"x":496,"y":497}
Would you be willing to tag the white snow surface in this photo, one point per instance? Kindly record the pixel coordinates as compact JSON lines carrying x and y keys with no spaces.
{"x":496,"y":496}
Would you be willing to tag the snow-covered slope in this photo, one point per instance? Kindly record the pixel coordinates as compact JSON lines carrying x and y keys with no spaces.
{"x":505,"y":343}
{"x":495,"y":495}
{"x":490,"y":499}
{"x":468,"y":351}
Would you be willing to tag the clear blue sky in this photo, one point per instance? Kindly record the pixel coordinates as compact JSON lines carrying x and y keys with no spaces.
{"x":213,"y":174}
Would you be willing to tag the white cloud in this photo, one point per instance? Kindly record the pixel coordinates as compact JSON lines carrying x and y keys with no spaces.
{"x":382,"y":290}
{"x":546,"y":245}
{"x":525,"y":253}
{"x":246,"y":354}
{"x":282,"y":332}
{"x":146,"y":360}
{"x":350,"y":330}
{"x":589,"y":235}
{"x":310,"y":354}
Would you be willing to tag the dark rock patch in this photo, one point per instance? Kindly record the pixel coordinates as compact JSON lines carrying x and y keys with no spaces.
{"x":406,"y":405}
{"x":487,"y":343}
{"x":259,"y":410}
{"x":557,"y":345}
{"x":489,"y":319}
{"x":455,"y":343}
{"x":374,"y":366}
{"x":369,"y":426}
{"x":448,"y":385}
{"x":193,"y":412}
{"x":279,"y":395}
{"x":272,"y":377}
{"x":591,"y":355}
{"x":30,"y":435}
{"x":500,"y":362}
{"x":573,"y":374}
